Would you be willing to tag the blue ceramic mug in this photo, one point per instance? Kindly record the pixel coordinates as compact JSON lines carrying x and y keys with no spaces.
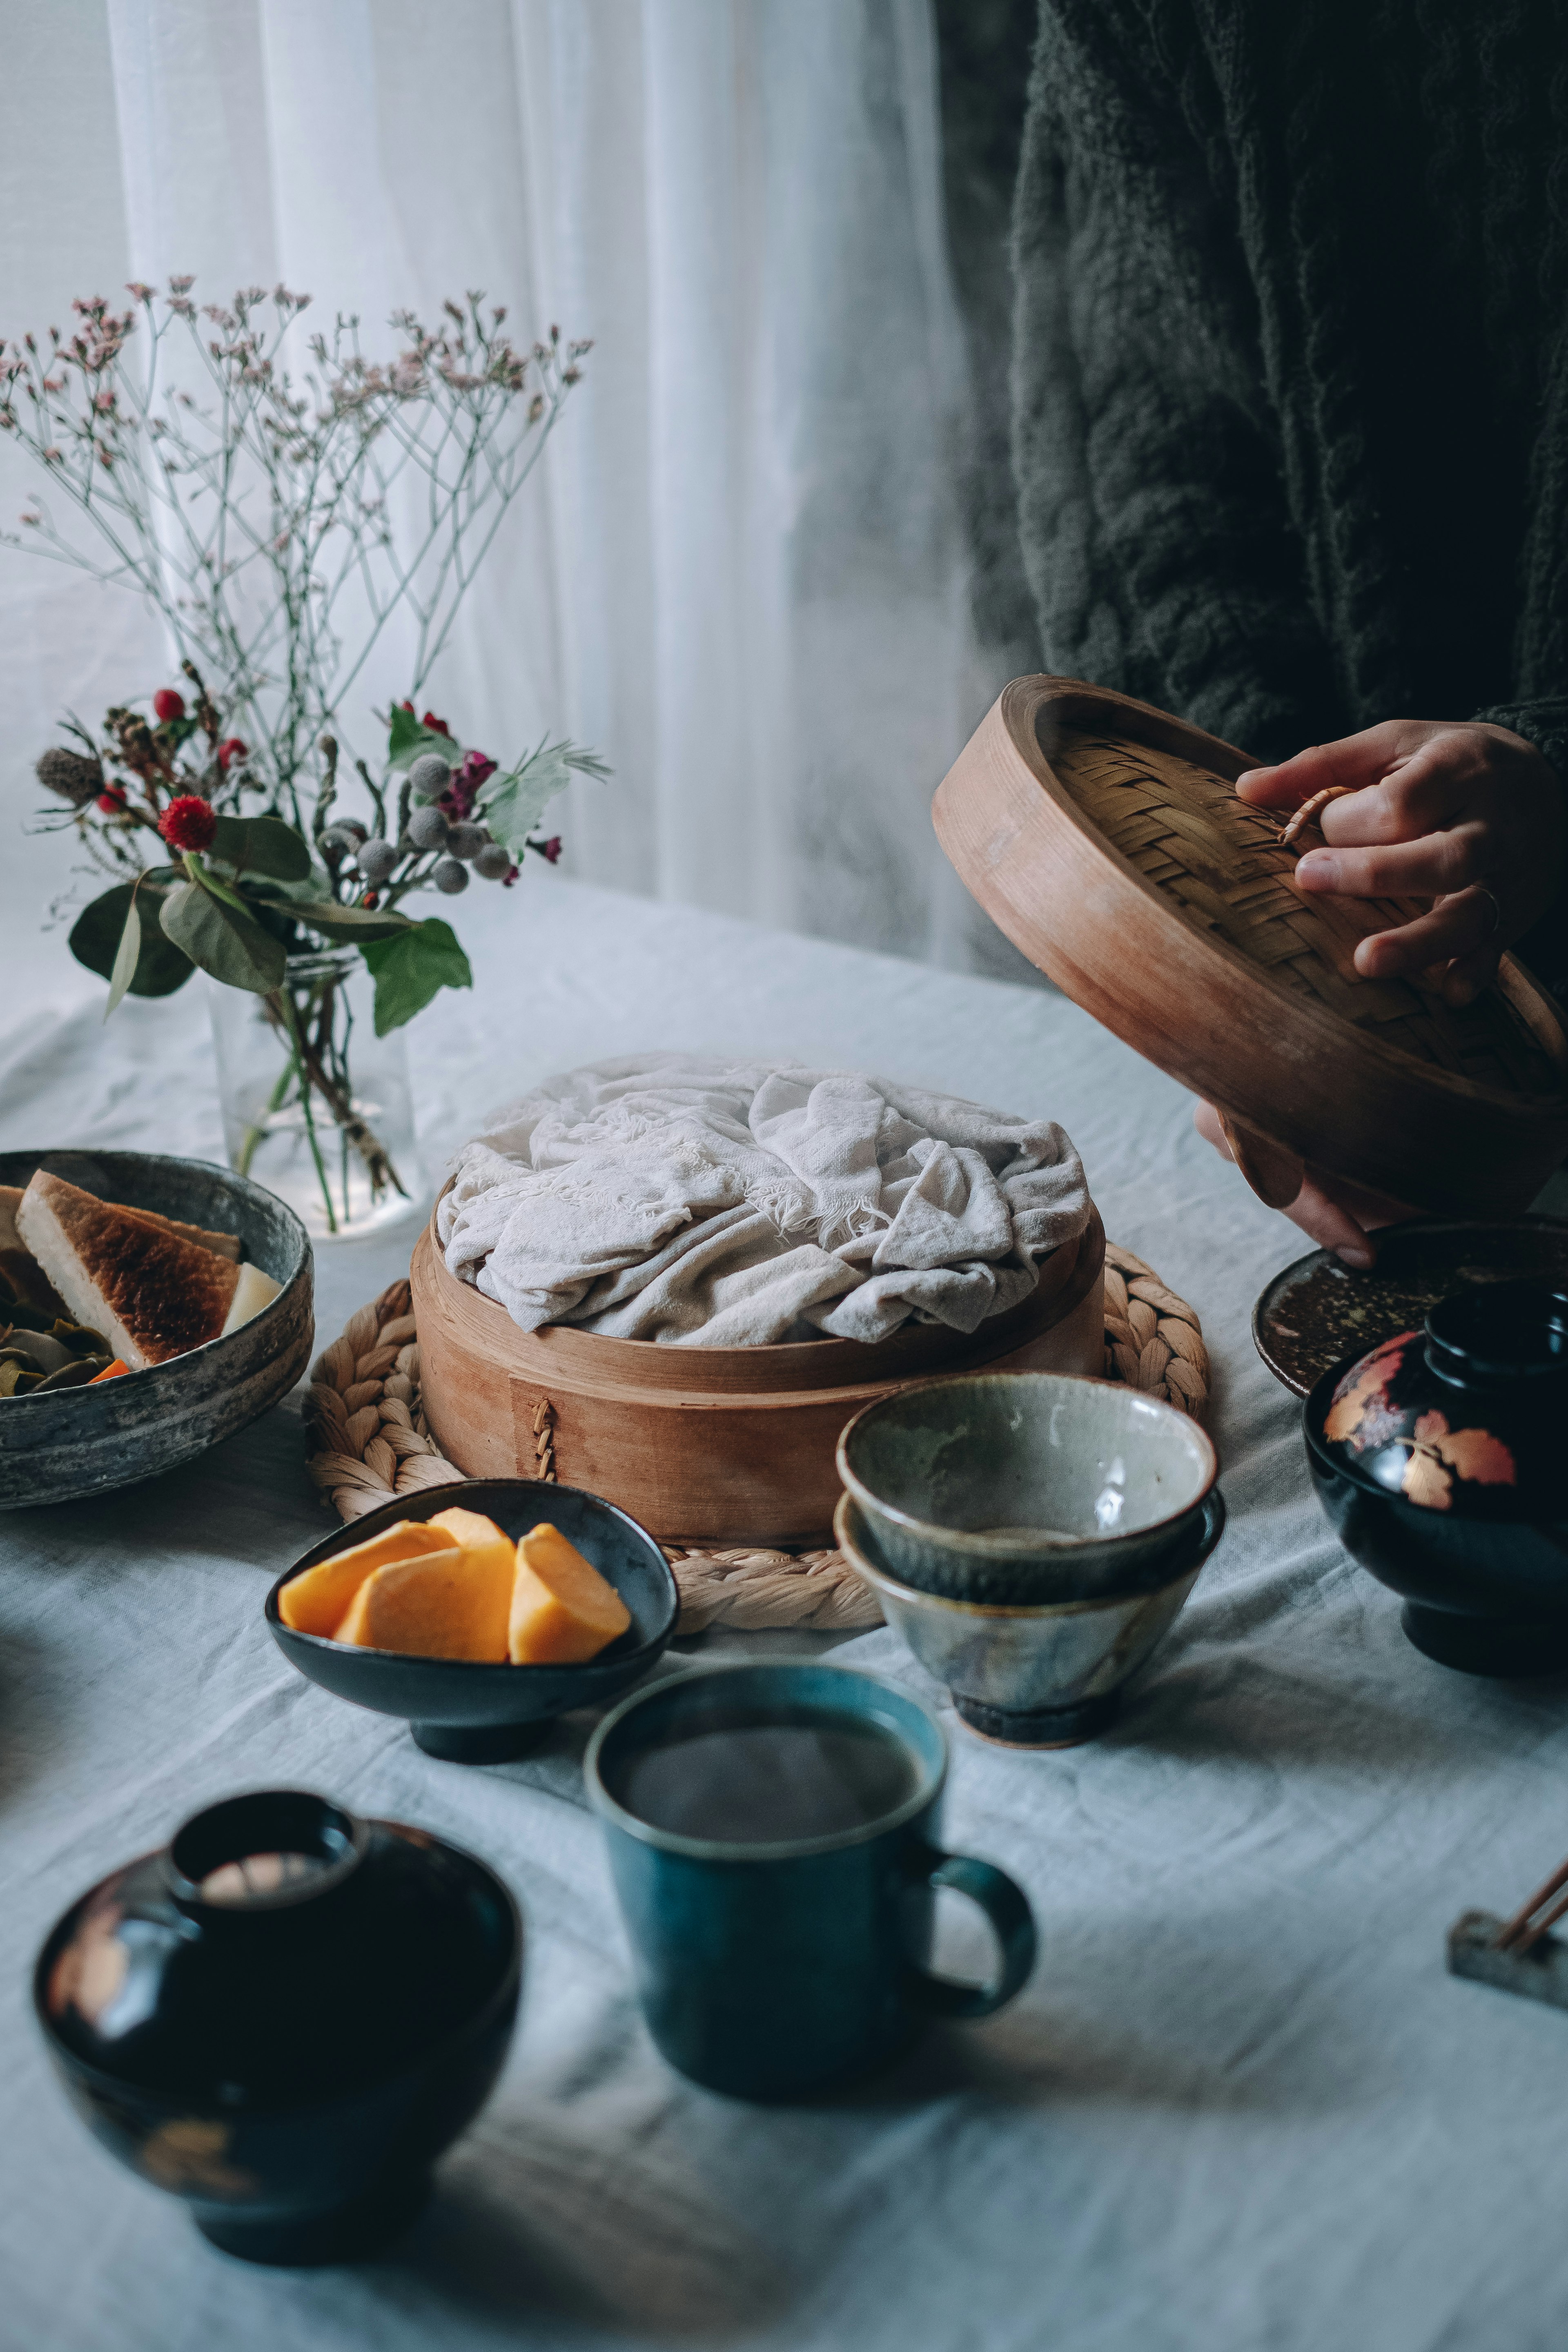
{"x":771,"y":1830}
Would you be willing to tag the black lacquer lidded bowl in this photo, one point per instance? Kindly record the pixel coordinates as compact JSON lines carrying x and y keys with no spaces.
{"x":1440,"y":1459}
{"x":284,"y":2018}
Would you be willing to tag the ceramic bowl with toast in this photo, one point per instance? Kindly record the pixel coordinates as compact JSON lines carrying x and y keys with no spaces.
{"x":149,"y":1307}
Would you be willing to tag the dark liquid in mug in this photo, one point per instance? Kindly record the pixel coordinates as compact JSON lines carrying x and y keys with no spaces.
{"x":767,"y":1778}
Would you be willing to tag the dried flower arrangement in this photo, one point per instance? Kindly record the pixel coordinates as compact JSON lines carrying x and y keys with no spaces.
{"x":276,"y":520}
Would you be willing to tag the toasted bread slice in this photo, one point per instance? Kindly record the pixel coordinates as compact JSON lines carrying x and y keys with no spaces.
{"x":152,"y":1293}
{"x":221,"y":1244}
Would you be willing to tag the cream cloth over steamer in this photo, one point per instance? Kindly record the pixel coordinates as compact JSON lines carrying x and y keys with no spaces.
{"x":712,"y":1203}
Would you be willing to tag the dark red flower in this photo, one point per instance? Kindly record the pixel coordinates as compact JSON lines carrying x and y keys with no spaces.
{"x":550,"y":849}
{"x":168,"y":704}
{"x":475,"y":769}
{"x":189,"y":823}
{"x":510,"y":876}
{"x":436,"y":726}
{"x":113,"y":800}
{"x":232,"y":750}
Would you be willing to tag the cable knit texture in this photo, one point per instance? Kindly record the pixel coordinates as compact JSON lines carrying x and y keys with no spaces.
{"x":1291,"y":380}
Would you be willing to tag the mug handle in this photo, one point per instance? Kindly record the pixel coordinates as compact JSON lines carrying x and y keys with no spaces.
{"x":1006,"y":1906}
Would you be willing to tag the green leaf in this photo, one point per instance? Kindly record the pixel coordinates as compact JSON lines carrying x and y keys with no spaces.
{"x":515,"y":803}
{"x":127,"y":956}
{"x":353,"y":925}
{"x":262,"y":845}
{"x":411,"y":970}
{"x":408,"y":739}
{"x":230,"y":945}
{"x":99,"y":930}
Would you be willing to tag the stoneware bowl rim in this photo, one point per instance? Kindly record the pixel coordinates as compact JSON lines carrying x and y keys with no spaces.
{"x":517,"y":1677}
{"x":852,"y":1540}
{"x":230,"y":1180}
{"x":1003,"y":1549}
{"x":731,"y":1850}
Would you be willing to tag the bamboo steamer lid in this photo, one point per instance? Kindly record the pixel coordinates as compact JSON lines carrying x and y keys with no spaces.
{"x":1104,"y":838}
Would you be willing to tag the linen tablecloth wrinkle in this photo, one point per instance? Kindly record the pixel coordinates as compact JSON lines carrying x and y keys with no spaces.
{"x":721,"y":1204}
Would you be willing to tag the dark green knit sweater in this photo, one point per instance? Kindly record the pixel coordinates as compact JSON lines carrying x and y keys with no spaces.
{"x":1291,"y":380}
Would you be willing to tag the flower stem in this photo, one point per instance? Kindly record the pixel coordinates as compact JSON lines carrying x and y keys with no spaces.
{"x":296,"y":1049}
{"x":253,"y":1135}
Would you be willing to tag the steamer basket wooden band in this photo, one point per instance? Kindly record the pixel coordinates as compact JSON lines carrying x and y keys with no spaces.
{"x":370,"y":1441}
{"x":1104,"y":838}
{"x":706,"y":1445}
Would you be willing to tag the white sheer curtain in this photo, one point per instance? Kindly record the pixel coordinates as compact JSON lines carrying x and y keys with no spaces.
{"x":738,"y":573}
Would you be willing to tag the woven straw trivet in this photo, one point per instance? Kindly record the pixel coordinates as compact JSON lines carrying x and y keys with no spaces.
{"x":369,"y":1441}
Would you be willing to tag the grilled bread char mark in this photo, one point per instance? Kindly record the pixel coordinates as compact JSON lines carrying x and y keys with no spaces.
{"x":152,"y":1293}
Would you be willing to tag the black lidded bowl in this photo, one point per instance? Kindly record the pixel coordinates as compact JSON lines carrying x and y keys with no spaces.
{"x":1437,"y":1457}
{"x":470,"y":1713}
{"x":284,"y":2018}
{"x":70,"y":1442}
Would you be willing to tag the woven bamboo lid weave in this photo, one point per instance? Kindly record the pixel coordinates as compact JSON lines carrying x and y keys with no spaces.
{"x":1105,"y":838}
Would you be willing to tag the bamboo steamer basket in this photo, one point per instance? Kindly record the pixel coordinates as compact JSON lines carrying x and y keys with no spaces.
{"x":1104,"y":838}
{"x":707,"y":1446}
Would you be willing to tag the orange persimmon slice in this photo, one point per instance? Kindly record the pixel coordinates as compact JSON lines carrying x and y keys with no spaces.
{"x":315,"y":1603}
{"x":563,"y":1610}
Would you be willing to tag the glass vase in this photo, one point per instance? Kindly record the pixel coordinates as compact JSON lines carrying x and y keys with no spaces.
{"x":315,"y":1105}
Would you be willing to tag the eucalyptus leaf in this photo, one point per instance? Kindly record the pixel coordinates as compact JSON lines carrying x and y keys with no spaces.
{"x":98,"y":929}
{"x":262,"y":845}
{"x":127,"y":956}
{"x":412,"y":969}
{"x":230,"y":945}
{"x":515,"y":803}
{"x":408,"y":739}
{"x":353,"y":925}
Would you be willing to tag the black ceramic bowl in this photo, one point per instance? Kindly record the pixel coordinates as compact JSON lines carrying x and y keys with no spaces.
{"x":1438,"y":1458}
{"x":84,"y":1440}
{"x":473,"y":1714}
{"x":284,"y":2018}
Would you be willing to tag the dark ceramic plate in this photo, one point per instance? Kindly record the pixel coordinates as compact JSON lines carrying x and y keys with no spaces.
{"x":1319,"y":1311}
{"x":84,"y":1440}
{"x":473,"y":1714}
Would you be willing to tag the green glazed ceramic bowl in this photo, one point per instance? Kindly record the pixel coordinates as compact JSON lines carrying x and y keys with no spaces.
{"x":1027,"y":1486}
{"x":1031,"y":1674}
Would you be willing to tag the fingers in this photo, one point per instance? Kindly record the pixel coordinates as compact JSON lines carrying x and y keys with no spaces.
{"x":1324,"y":1218}
{"x":1416,"y":796}
{"x":1466,"y":977}
{"x":1206,"y":1119}
{"x":1424,"y":868}
{"x":1464,"y":926}
{"x":1324,"y":1221}
{"x":1353,"y":762}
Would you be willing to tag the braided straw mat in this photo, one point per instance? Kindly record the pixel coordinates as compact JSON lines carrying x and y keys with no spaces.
{"x":369,"y":1442}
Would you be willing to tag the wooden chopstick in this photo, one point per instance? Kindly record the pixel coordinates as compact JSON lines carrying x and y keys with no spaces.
{"x":1518,"y":1934}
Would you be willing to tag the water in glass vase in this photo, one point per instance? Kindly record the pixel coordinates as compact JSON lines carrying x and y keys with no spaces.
{"x":315,"y":1105}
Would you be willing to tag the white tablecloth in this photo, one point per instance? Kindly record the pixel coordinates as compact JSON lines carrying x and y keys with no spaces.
{"x":1240,"y":2104}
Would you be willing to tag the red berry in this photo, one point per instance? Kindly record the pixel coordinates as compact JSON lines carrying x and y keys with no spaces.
{"x":168,"y":704}
{"x":371,"y":898}
{"x":232,"y":750}
{"x":113,"y":800}
{"x":189,"y":823}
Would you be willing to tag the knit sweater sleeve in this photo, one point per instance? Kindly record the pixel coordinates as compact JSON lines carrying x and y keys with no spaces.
{"x":1544,"y":721}
{"x":1157,"y":529}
